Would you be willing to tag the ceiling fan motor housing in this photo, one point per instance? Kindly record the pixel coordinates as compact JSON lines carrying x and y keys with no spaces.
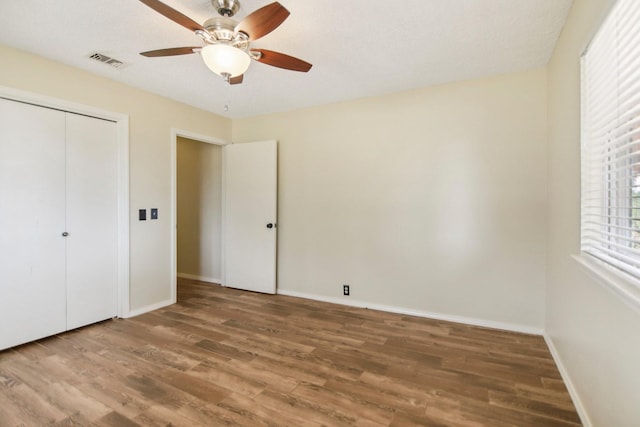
{"x":221,"y":28}
{"x":226,"y":7}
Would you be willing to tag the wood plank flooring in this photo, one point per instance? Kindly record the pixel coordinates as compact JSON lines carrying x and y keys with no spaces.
{"x":223,"y":357}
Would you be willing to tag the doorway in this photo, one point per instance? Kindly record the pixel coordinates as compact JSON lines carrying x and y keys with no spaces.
{"x":197,"y":238}
{"x":246,"y":241}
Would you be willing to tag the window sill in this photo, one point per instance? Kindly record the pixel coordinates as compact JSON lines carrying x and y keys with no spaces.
{"x":623,"y":286}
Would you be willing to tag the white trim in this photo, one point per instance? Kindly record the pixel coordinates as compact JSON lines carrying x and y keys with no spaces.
{"x":418,"y":313}
{"x":60,"y":104}
{"x":199,"y":278}
{"x":223,"y":219}
{"x":175,"y":133}
{"x":122,"y":122}
{"x":149,"y":308}
{"x":575,"y":397}
{"x":174,"y":216}
{"x":123,"y":217}
{"x":613,"y":280}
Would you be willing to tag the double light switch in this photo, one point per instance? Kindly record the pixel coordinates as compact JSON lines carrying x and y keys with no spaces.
{"x":142,"y":214}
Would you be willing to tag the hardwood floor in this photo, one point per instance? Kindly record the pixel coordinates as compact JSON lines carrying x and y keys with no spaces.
{"x":223,"y":357}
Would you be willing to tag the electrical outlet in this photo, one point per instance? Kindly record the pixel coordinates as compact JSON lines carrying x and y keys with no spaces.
{"x":345,"y":290}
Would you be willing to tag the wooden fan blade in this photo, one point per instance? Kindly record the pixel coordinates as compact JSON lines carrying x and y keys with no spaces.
{"x":281,"y":60}
{"x":263,"y":21}
{"x":173,"y":14}
{"x":236,"y":80}
{"x":170,"y":52}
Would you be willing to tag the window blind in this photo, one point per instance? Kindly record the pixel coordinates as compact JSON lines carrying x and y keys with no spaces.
{"x":610,"y":146}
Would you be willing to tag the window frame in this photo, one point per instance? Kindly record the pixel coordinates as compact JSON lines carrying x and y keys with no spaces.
{"x":610,"y":161}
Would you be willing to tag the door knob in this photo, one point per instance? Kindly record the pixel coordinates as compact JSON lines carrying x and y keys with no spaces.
{"x":65,"y":234}
{"x":270,"y":225}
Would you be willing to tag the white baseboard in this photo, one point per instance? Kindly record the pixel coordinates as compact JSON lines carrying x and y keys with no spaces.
{"x":418,"y":313}
{"x":148,"y":308}
{"x":582,"y":413}
{"x":199,"y":278}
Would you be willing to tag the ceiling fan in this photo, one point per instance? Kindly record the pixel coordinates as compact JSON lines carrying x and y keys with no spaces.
{"x":227,"y":44}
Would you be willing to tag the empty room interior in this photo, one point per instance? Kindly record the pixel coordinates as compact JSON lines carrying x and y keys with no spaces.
{"x":307,"y":213}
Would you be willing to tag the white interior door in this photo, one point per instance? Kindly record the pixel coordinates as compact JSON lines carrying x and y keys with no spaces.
{"x":92,"y":245}
{"x":32,"y":220}
{"x":250,"y":203}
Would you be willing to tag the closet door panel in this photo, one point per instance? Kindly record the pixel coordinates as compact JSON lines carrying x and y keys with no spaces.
{"x":91,"y":220}
{"x":32,"y":220}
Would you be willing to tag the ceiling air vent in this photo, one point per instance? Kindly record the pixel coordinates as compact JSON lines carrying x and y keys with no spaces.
{"x":100,"y":57}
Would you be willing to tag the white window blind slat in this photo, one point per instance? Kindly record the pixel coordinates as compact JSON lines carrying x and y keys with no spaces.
{"x":626,"y":9}
{"x":602,"y":224}
{"x":612,"y":235}
{"x":632,"y":263}
{"x":617,"y":245}
{"x":624,"y":162}
{"x":624,"y":152}
{"x":610,"y":146}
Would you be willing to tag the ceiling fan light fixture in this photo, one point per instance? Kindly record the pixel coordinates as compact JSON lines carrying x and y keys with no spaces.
{"x":225,"y":60}
{"x":227,"y":44}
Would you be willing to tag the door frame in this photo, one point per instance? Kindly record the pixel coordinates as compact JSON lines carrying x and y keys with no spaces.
{"x":122,"y":164}
{"x":175,"y":133}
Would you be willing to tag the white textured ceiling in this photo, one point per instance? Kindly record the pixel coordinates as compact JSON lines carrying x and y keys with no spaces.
{"x":358,"y":48}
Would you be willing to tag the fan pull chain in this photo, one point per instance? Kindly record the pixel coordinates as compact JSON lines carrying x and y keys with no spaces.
{"x":227,"y":96}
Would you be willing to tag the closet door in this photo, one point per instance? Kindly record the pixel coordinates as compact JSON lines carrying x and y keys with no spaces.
{"x":32,"y":220}
{"x":91,"y":220}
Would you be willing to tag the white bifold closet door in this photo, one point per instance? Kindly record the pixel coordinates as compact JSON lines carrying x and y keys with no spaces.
{"x":58,"y":229}
{"x":32,"y":219}
{"x":91,"y":220}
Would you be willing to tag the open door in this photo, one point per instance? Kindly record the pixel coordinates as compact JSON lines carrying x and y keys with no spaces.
{"x":249,"y":206}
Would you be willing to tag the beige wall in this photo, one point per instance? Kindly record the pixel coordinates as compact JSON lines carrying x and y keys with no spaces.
{"x":431,"y":200}
{"x":151,"y":119}
{"x":427,"y":200}
{"x":595,"y":334}
{"x":199,"y":186}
